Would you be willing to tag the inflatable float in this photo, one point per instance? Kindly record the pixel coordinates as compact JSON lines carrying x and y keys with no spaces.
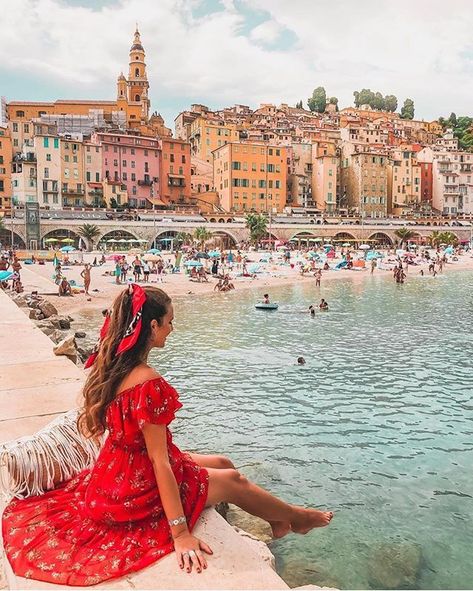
{"x":263,"y":306}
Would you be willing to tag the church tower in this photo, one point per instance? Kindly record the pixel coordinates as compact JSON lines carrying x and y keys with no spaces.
{"x":137,"y":79}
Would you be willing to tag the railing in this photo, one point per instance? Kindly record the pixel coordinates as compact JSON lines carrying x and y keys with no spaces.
{"x":145,"y":182}
{"x":71,"y":191}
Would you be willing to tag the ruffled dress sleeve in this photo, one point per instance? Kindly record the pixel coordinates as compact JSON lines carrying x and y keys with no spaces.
{"x":155,"y":402}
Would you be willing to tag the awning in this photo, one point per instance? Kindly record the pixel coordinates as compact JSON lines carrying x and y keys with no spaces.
{"x":95,"y":185}
{"x":176,"y":176}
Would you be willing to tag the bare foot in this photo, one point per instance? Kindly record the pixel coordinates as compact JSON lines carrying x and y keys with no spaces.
{"x":280,"y":528}
{"x":307,"y":519}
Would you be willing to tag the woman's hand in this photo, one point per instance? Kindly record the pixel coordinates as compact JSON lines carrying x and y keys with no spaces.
{"x":190,"y":552}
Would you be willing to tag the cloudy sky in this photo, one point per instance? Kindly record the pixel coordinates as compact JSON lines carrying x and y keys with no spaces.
{"x":222,"y":52}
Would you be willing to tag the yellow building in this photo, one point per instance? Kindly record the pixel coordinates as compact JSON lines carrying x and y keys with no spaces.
{"x":251,"y":177}
{"x":207,"y":135}
{"x":324,"y":176}
{"x":364,"y":181}
{"x":404,"y":180}
{"x":72,"y":172}
{"x":5,"y":169}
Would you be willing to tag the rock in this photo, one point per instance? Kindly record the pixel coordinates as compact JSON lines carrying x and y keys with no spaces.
{"x":48,"y":331}
{"x":47,"y":309}
{"x":32,"y":314}
{"x":84,"y":354}
{"x":56,"y":335}
{"x":253,"y":525}
{"x":69,"y":318}
{"x":395,"y":566}
{"x":260,"y":547}
{"x":40,"y":316}
{"x":80,"y":334}
{"x":33,"y":303}
{"x":66,"y":347}
{"x":222,"y":509}
{"x":64,"y":324}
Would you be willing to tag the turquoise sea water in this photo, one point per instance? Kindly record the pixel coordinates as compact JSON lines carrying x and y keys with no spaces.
{"x":377,"y":426}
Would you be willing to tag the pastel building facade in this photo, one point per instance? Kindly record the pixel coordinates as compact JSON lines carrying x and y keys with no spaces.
{"x":130,"y":161}
{"x":251,"y":177}
{"x":404,"y":181}
{"x":5,"y":169}
{"x":206,"y":135}
{"x":49,"y":169}
{"x":175,"y":171}
{"x":324,"y":176}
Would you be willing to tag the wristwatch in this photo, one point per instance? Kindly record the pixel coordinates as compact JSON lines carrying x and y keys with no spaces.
{"x":177,"y":521}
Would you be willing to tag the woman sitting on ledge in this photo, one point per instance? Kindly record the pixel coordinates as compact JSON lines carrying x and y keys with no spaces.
{"x":143,"y":497}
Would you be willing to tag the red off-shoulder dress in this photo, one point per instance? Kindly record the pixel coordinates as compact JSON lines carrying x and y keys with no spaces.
{"x":108,"y":521}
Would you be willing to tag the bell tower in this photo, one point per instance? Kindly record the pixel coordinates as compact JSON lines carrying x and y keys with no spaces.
{"x":137,"y":79}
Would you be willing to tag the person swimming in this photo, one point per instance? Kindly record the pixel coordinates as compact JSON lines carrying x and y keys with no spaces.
{"x":300,"y":361}
{"x":323,"y":305}
{"x":312,"y":311}
{"x":266,"y":298}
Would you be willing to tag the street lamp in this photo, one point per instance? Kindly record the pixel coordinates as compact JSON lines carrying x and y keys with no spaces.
{"x":154,"y":214}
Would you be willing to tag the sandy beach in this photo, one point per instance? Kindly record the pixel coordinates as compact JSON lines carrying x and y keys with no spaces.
{"x":103,"y":288}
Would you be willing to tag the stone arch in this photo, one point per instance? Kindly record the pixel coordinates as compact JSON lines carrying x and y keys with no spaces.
{"x":61,"y":237}
{"x":345,"y":237}
{"x":123,"y":236}
{"x":6,"y":237}
{"x":306,"y":238}
{"x":213,"y":221}
{"x":226,"y":239}
{"x":381,"y":238}
{"x":165,"y":239}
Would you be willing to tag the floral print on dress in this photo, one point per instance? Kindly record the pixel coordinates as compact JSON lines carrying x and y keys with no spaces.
{"x":108,"y":521}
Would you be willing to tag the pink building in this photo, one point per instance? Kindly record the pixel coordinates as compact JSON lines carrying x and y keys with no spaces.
{"x":133,"y":161}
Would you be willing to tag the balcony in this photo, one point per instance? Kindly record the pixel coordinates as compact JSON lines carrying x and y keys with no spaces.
{"x":96,"y":193}
{"x":72,"y":191}
{"x":145,"y":183}
{"x":465,"y":167}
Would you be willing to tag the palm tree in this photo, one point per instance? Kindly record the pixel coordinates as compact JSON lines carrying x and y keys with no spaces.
{"x":90,"y":233}
{"x":405,"y":235}
{"x":201,"y":234}
{"x":433,"y":238}
{"x":448,"y":238}
{"x":257,"y":224}
{"x":181,"y":238}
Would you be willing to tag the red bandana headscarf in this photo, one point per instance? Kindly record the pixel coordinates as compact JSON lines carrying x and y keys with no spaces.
{"x":132,"y":333}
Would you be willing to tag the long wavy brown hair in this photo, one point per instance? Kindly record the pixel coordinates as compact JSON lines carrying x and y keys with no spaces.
{"x":110,"y":369}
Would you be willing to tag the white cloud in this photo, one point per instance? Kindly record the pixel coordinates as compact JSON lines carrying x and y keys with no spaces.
{"x":417,"y":49}
{"x":267,"y":32}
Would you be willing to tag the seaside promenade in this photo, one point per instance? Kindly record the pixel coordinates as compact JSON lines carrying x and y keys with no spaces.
{"x":35,"y":388}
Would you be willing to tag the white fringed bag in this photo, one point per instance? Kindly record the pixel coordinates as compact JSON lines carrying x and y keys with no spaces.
{"x":37,"y":463}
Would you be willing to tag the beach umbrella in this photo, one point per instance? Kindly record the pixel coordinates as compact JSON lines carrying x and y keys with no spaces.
{"x":365,"y":246}
{"x":111,"y":240}
{"x":67,"y":240}
{"x":193,"y":264}
{"x":122,"y":240}
{"x":214,"y":254}
{"x":151,"y":258}
{"x":400,"y":252}
{"x":253,"y":268}
{"x":51,"y":240}
{"x":346,"y":244}
{"x":4,"y":275}
{"x":153,"y":251}
{"x":202,"y":255}
{"x":449,"y":250}
{"x":67,"y":249}
{"x":142,"y":240}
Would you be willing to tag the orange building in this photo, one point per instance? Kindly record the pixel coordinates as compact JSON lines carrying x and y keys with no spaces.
{"x":5,"y":169}
{"x":175,"y":171}
{"x":251,"y":177}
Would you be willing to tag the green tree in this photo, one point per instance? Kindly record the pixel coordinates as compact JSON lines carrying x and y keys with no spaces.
{"x":182,"y":238}
{"x":318,"y":101}
{"x":333,"y":100}
{"x":90,"y":233}
{"x":299,"y":105}
{"x":390,"y":103}
{"x":448,"y":238}
{"x":113,"y":203}
{"x":452,"y":120}
{"x":201,"y":234}
{"x":407,"y":111}
{"x":257,"y":224}
{"x":433,"y":238}
{"x":378,"y":102}
{"x":404,"y":234}
{"x":364,"y":97}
